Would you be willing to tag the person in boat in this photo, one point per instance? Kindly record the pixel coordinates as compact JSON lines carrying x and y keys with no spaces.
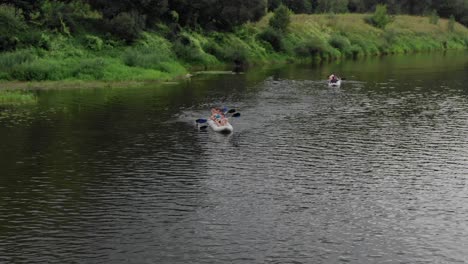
{"x":333,"y":78}
{"x":218,"y":116}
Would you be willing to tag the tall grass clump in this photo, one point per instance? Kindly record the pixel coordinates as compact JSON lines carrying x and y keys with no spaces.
{"x":39,"y":70}
{"x":16,"y":98}
{"x":339,"y":42}
{"x":189,"y":49}
{"x":152,"y":52}
{"x":240,"y":47}
{"x":313,"y":47}
{"x":89,"y":69}
{"x":8,"y":60}
{"x":144,"y":57}
{"x":274,"y":38}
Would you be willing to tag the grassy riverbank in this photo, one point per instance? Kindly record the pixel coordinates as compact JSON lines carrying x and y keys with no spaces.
{"x":88,"y":57}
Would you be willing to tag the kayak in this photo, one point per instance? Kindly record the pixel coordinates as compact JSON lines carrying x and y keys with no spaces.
{"x":221,"y":129}
{"x":334,"y":84}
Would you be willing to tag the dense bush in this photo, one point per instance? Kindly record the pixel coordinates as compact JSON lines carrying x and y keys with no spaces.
{"x":273,"y":37}
{"x":299,"y":6}
{"x":189,"y":49}
{"x":38,"y":71}
{"x":89,"y":69}
{"x":144,"y":57}
{"x":339,"y":42}
{"x":93,"y":42}
{"x":8,"y":60}
{"x":313,"y":47}
{"x":127,"y":26}
{"x":11,"y":24}
{"x":332,"y":6}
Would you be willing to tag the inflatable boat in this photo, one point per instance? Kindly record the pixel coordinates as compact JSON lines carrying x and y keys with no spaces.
{"x":334,"y":84}
{"x":226,"y":129}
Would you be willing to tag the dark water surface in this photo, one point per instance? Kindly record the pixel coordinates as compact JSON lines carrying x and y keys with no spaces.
{"x":373,"y":172}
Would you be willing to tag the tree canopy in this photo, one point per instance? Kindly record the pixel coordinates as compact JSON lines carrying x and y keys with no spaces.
{"x":125,"y":19}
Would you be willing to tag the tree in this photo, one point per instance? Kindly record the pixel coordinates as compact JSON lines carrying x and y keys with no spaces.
{"x":451,"y":23}
{"x":434,"y":17}
{"x":273,"y":4}
{"x":356,"y":6}
{"x":217,"y":14}
{"x":380,"y":18}
{"x":333,"y":6}
{"x":237,"y":12}
{"x":28,"y":6}
{"x":153,"y":10}
{"x":281,"y":19}
{"x":298,"y":6}
{"x":11,"y":24}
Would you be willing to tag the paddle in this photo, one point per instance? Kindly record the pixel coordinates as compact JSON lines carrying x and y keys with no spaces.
{"x":201,"y":121}
{"x":236,"y":115}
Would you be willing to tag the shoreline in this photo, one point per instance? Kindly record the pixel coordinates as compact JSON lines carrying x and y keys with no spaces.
{"x":99,"y":84}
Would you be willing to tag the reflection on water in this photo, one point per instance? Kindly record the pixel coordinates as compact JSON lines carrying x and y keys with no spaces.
{"x":372,"y":172}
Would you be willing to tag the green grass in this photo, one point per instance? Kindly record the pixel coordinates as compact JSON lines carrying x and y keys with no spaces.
{"x":153,"y":57}
{"x":16,"y":98}
{"x":347,"y":35}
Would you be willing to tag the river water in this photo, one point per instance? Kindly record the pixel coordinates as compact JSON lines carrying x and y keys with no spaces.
{"x":375,"y":171}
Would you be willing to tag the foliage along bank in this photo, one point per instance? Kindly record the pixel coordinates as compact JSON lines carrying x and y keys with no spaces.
{"x":85,"y":51}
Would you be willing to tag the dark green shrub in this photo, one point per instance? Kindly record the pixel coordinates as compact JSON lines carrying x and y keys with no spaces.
{"x":30,"y":39}
{"x":332,"y":6}
{"x":380,"y":18}
{"x":236,"y":53}
{"x":34,"y":38}
{"x":58,"y":16}
{"x":92,"y":69}
{"x":339,"y":42}
{"x":37,"y":71}
{"x":353,"y":51}
{"x":93,"y":42}
{"x":45,"y":42}
{"x":144,"y":57}
{"x":313,"y":47}
{"x":214,"y":49}
{"x":8,"y":60}
{"x":273,"y":37}
{"x":188,"y":53}
{"x":11,"y":24}
{"x":127,"y":26}
{"x":299,"y":6}
{"x":281,"y":19}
